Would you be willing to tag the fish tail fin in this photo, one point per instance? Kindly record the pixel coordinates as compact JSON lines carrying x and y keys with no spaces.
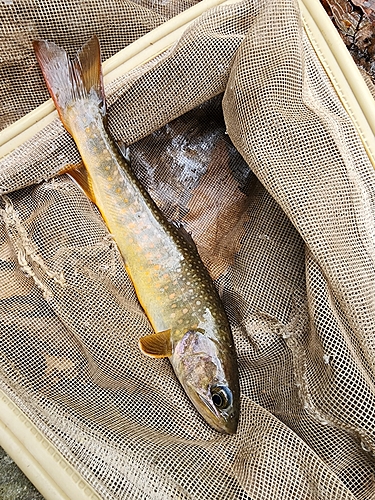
{"x":69,"y":81}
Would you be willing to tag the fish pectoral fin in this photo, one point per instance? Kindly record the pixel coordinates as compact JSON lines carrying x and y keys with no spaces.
{"x":156,"y":345}
{"x":79,"y":174}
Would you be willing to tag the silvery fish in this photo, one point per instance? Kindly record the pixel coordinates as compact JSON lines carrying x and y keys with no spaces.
{"x":170,"y":280}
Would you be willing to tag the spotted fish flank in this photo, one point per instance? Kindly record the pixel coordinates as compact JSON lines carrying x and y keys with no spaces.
{"x":171,"y":283}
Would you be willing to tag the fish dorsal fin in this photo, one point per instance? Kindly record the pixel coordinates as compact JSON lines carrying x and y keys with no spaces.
{"x":81,"y":176}
{"x":184,"y":233}
{"x":157,"y":345}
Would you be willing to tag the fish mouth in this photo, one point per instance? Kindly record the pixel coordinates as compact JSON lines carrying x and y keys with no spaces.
{"x":209,"y":405}
{"x":224,"y":421}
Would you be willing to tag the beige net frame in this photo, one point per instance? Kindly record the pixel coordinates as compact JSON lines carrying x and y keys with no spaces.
{"x":286,"y":230}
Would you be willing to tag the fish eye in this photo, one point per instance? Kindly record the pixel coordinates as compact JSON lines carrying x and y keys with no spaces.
{"x":221,"y":396}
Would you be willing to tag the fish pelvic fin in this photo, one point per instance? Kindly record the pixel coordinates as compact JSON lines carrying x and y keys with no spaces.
{"x":156,"y":345}
{"x":68,"y":80}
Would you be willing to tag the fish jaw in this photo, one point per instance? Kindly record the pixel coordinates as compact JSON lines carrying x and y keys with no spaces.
{"x":208,"y":373}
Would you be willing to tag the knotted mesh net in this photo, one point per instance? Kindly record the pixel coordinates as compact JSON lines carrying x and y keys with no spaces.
{"x":237,"y":134}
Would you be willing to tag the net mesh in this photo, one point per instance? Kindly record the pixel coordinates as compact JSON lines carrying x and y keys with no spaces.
{"x":237,"y":133}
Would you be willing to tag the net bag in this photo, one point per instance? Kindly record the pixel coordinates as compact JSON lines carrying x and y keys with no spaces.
{"x":247,"y":128}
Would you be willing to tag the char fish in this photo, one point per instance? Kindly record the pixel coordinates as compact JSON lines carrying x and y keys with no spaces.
{"x":170,"y":280}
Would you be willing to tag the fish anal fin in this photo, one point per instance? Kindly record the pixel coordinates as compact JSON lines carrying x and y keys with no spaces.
{"x":81,"y":176}
{"x":157,"y":345}
{"x":71,"y":166}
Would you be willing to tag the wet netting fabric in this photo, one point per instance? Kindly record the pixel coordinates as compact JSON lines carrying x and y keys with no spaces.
{"x":238,"y":134}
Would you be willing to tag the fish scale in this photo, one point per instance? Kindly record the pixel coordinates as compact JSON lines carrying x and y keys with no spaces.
{"x":171,"y":282}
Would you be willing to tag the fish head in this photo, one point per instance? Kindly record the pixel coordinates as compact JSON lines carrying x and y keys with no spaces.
{"x":207,"y":370}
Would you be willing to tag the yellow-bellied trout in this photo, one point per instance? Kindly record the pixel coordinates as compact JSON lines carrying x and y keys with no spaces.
{"x":172,"y":284}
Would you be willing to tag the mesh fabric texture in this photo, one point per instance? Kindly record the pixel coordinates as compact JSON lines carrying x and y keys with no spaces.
{"x":237,"y":133}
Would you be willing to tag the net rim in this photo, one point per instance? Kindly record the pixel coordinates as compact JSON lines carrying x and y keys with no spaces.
{"x":342,"y":71}
{"x":38,"y":458}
